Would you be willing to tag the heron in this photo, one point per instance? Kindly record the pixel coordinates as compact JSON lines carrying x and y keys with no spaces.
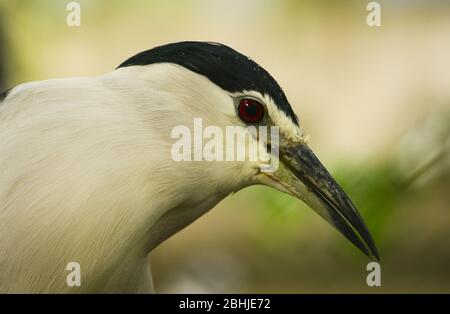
{"x":87,"y":177}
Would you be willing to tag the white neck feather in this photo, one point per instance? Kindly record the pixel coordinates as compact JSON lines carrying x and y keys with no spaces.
{"x":87,"y":176}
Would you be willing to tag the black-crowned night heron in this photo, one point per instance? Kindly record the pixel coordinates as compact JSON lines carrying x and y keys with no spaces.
{"x":87,"y":174}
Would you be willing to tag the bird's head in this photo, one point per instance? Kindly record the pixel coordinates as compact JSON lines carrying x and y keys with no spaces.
{"x":219,"y":87}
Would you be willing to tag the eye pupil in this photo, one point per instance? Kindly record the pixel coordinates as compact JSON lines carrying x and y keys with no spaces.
{"x":250,"y":110}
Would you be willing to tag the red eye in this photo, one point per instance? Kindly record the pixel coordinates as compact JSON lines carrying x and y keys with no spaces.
{"x":250,"y":110}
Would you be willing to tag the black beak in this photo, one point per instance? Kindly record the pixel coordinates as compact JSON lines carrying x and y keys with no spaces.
{"x":328,"y":199}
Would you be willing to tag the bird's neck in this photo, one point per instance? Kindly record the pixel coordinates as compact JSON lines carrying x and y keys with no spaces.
{"x":176,"y":219}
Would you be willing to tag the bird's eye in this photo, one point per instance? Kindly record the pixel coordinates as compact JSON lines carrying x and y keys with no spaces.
{"x":250,"y":110}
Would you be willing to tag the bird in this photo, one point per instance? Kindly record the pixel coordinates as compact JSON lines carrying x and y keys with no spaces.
{"x":86,"y":173}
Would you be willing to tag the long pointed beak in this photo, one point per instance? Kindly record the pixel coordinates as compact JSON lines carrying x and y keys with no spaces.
{"x":304,"y":176}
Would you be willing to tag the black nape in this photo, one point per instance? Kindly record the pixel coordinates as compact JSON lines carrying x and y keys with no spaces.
{"x":222,"y":65}
{"x":4,"y":94}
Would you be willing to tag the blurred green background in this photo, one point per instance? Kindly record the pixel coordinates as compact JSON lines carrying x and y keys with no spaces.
{"x":375,"y":101}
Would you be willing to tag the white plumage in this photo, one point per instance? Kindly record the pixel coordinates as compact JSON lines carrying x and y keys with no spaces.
{"x":86,"y":173}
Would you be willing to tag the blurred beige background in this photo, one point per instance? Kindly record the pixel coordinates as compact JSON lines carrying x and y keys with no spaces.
{"x":375,"y":101}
